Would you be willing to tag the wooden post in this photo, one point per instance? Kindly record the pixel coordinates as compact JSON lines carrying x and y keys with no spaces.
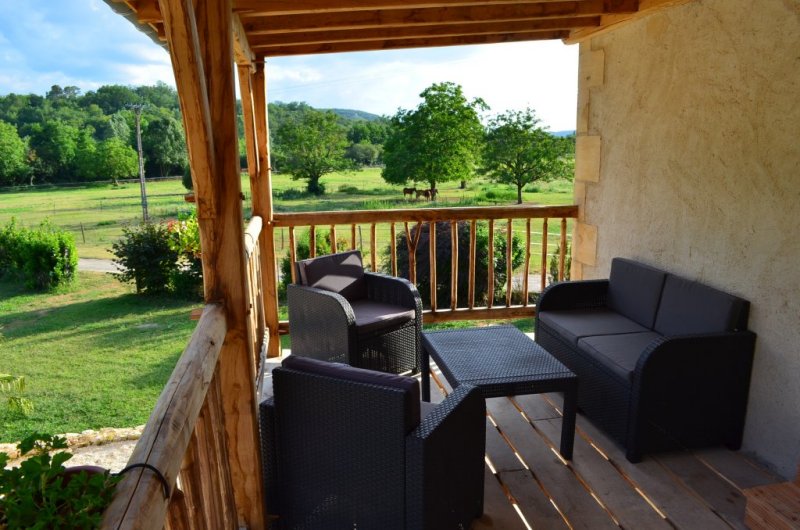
{"x":373,"y":250}
{"x":393,"y":251}
{"x":562,"y":254}
{"x":490,"y":272}
{"x":432,"y":263}
{"x":525,"y":286}
{"x":544,"y":253}
{"x":509,"y":264}
{"x":204,"y":77}
{"x":473,"y":227}
{"x":453,"y":265}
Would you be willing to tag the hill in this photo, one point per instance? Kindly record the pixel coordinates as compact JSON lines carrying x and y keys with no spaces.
{"x":352,"y":114}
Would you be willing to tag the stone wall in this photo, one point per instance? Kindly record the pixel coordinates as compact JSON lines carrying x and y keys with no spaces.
{"x":689,"y":159}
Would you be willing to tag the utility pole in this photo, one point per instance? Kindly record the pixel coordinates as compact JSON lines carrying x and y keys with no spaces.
{"x":137,"y":110}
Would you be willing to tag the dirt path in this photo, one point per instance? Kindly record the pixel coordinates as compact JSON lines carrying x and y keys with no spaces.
{"x":97,"y":265}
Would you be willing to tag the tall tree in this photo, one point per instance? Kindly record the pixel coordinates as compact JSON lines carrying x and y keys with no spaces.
{"x":519,"y":152}
{"x":13,"y":156}
{"x":164,"y":144}
{"x":312,"y":144}
{"x":116,"y":160}
{"x":54,"y":144}
{"x":439,"y":141}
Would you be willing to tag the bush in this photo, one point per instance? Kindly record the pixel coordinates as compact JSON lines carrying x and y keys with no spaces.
{"x":553,"y":268}
{"x":186,"y":178}
{"x":443,"y":257}
{"x":291,"y":194}
{"x":187,"y":277}
{"x":348,"y":189}
{"x":147,"y":257}
{"x":44,"y":257}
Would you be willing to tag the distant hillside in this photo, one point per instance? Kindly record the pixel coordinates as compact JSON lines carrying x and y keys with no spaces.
{"x":562,"y":134}
{"x":352,"y":114}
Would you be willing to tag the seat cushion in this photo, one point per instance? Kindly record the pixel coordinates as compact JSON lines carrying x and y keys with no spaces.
{"x":689,"y":307}
{"x":634,"y":290}
{"x":618,"y":353}
{"x":575,"y":324}
{"x":409,"y":385}
{"x":341,"y":273}
{"x":373,"y":316}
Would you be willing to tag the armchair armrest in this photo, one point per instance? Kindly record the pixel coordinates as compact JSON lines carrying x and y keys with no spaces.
{"x":269,"y":455}
{"x":445,"y":463}
{"x":322,"y":323}
{"x":574,"y":295}
{"x":392,"y":290}
{"x":694,"y":387}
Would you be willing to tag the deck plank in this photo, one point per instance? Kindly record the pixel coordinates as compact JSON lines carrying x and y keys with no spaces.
{"x":680,"y":505}
{"x":498,"y":514}
{"x":534,"y":505}
{"x":558,"y":481}
{"x":736,"y":468}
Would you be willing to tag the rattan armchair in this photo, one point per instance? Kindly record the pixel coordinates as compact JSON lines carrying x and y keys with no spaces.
{"x":340,"y":313}
{"x":345,"y":447}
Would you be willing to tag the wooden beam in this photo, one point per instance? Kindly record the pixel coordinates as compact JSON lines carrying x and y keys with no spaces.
{"x":249,"y":120}
{"x":314,"y":49}
{"x":436,"y":16}
{"x":261,"y":193}
{"x":147,"y":11}
{"x":244,"y":56}
{"x":448,"y":30}
{"x":612,"y":22}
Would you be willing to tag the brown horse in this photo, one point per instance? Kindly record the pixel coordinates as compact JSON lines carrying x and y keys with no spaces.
{"x":409,"y":191}
{"x":424,"y":193}
{"x":434,"y":192}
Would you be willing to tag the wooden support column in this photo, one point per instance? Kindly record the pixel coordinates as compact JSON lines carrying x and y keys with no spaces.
{"x":261,"y":197}
{"x":204,"y":77}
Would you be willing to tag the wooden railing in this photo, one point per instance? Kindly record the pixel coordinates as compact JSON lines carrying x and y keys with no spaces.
{"x":184,"y":443}
{"x":503,"y":221}
{"x":256,"y":322}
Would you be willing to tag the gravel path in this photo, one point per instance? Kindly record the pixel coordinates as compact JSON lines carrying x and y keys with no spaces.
{"x":97,"y":265}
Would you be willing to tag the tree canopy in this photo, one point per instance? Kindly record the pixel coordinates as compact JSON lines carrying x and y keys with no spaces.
{"x":312,"y":144}
{"x":439,"y":141}
{"x":13,"y":166}
{"x":519,"y":152}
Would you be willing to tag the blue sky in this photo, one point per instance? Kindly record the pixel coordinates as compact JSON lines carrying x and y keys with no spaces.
{"x":83,"y":43}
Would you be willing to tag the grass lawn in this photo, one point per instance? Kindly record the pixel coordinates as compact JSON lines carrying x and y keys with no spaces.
{"x":93,"y":354}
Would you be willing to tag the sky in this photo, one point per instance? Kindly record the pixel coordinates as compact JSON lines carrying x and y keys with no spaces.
{"x":84,"y":44}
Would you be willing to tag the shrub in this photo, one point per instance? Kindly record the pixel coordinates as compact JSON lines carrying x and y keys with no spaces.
{"x":13,"y":388}
{"x":146,"y":256}
{"x":443,"y":253}
{"x":45,"y":257}
{"x":187,"y":277}
{"x":291,"y":194}
{"x":348,"y":189}
{"x":553,"y":268}
{"x":186,"y":178}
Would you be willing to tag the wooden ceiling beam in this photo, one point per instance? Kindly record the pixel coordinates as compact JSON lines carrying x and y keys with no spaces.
{"x":425,"y":42}
{"x":147,"y":11}
{"x":242,"y":53}
{"x":434,"y":16}
{"x":449,"y":30}
{"x":612,"y":22}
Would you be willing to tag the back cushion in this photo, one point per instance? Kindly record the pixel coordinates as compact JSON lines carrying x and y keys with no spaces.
{"x":634,"y":290}
{"x":341,"y":273}
{"x":409,"y":385}
{"x":689,"y":307}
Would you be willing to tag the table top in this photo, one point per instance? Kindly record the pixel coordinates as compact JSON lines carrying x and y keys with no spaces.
{"x":493,"y":355}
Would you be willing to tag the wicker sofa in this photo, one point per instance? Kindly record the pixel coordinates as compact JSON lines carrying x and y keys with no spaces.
{"x":662,"y":362}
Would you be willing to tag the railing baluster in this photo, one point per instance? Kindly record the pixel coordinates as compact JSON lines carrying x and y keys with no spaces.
{"x":527,"y":270}
{"x":453,"y":265}
{"x":178,"y":513}
{"x":490,"y":260}
{"x":412,"y":243}
{"x":373,"y":242}
{"x":217,"y":445}
{"x":333,"y":239}
{"x":544,"y":253}
{"x":473,"y":228}
{"x":292,"y":254}
{"x":353,"y":237}
{"x":432,"y":261}
{"x":563,"y":253}
{"x":393,"y":247}
{"x":190,"y":484}
{"x":312,"y":241}
{"x":509,"y":264}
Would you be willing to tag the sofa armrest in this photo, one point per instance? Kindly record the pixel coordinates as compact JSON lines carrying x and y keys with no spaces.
{"x":392,"y":290}
{"x":321,"y":323}
{"x":574,"y":295}
{"x":445,"y":463}
{"x":693,"y":386}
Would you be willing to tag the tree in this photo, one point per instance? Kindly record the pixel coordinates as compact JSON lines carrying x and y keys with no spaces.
{"x":116,"y":160}
{"x":54,"y":144}
{"x":519,"y":152}
{"x":439,"y":141}
{"x":164,"y":144}
{"x":312,"y":144}
{"x":13,"y":156}
{"x":363,"y":153}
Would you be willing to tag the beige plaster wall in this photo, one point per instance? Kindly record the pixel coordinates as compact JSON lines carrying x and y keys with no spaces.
{"x":697,"y":110}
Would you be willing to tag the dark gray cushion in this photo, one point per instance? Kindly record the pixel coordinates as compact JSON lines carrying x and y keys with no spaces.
{"x":618,"y":353}
{"x":409,"y":385}
{"x":574,"y":324}
{"x":689,"y":307}
{"x":341,"y":273}
{"x":372,"y":316}
{"x":634,"y":290}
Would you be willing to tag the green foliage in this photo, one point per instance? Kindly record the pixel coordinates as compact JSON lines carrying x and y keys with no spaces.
{"x":519,"y":152}
{"x":41,"y":493}
{"x":186,"y":177}
{"x":439,"y":141}
{"x":13,"y":387}
{"x":312,"y":144}
{"x":165,"y":144}
{"x":53,"y":145}
{"x":364,"y":154}
{"x":13,"y":156}
{"x":443,"y":262}
{"x":187,"y":277}
{"x":553,"y":265}
{"x":147,"y":257}
{"x":45,"y":257}
{"x":115,"y":160}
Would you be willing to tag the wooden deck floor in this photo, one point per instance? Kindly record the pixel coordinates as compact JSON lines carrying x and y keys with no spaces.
{"x":529,"y":486}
